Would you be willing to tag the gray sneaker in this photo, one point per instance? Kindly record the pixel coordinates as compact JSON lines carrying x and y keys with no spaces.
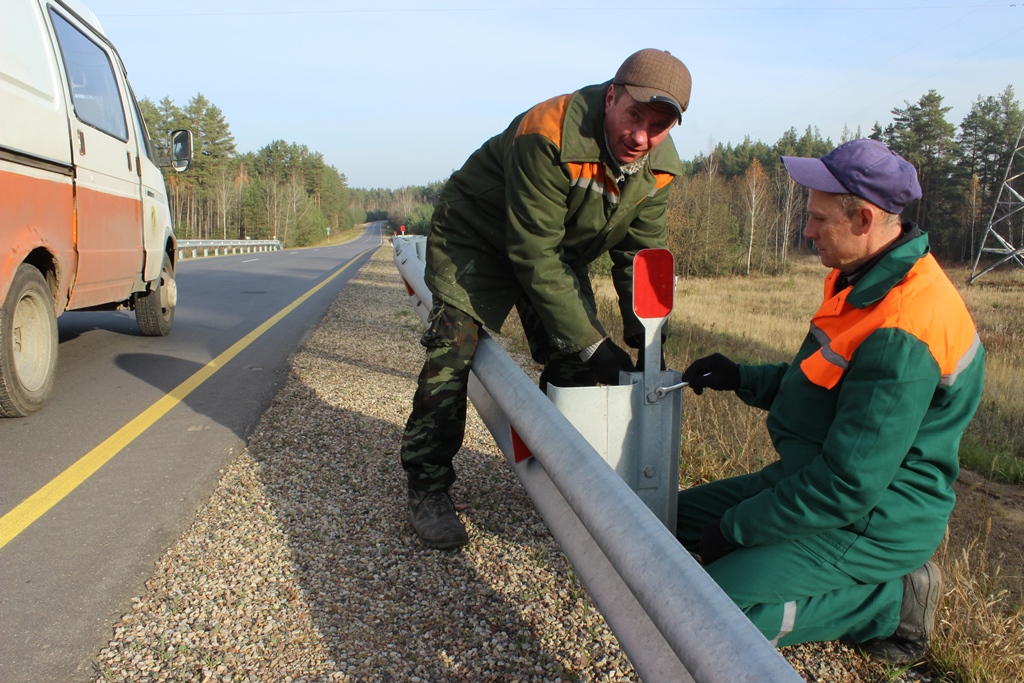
{"x":433,"y":516}
{"x":922,"y":589}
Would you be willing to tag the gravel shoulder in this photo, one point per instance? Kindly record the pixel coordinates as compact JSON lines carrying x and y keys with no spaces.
{"x":303,"y":566}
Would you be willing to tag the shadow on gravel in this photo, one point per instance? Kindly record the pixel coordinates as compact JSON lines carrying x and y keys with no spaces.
{"x":329,"y":357}
{"x":387,"y":608}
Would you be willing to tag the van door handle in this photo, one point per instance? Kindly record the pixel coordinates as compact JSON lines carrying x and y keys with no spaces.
{"x":81,"y":142}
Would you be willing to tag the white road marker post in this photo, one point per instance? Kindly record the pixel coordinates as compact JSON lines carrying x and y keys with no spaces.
{"x":656,"y":406}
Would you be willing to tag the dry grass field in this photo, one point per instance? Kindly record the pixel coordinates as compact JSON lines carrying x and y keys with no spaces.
{"x":764,"y":319}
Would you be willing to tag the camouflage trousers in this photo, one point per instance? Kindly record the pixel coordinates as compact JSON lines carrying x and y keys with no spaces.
{"x":437,"y":424}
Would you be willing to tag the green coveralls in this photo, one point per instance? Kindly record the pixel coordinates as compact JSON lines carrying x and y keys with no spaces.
{"x":863,"y":488}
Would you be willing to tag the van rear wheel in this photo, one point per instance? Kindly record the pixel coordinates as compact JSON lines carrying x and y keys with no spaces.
{"x":28,"y":344}
{"x":154,"y":309}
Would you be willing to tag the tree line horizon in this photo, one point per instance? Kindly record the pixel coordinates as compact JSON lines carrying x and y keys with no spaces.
{"x":733,"y":211}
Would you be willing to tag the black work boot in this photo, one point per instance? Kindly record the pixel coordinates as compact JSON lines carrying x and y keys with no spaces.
{"x":922,"y":589}
{"x":433,"y":516}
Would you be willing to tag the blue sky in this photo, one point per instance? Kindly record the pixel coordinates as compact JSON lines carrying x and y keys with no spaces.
{"x":396,"y":92}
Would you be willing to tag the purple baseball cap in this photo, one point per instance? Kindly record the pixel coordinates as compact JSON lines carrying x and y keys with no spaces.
{"x":863,"y":167}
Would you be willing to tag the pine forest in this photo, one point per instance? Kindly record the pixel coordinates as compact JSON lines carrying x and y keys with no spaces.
{"x":734,"y":211}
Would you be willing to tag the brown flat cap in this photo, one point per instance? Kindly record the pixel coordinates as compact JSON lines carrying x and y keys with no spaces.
{"x":656,"y":76}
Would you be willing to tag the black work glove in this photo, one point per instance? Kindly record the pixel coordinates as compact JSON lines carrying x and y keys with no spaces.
{"x":713,"y":545}
{"x":608,"y":360}
{"x":712,"y":372}
{"x":641,"y":351}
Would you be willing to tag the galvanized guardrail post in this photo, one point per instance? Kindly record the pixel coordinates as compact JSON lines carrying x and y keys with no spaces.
{"x":672,"y":620}
{"x":635,"y":426}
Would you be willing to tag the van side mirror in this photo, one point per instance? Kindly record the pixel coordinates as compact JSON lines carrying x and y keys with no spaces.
{"x":181,"y":150}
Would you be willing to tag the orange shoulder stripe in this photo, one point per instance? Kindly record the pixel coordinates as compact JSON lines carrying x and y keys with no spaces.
{"x":546,"y":119}
{"x":662,"y":180}
{"x":926,"y":306}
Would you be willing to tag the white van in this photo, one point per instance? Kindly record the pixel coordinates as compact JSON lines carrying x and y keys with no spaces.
{"x":84,"y":219}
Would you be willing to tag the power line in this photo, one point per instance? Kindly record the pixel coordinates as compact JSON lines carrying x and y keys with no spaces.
{"x":549,"y":9}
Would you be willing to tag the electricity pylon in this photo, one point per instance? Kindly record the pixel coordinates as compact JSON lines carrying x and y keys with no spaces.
{"x":1008,"y":202}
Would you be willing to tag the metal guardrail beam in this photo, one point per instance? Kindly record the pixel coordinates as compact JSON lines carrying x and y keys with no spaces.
{"x":671,"y":618}
{"x":225,"y":247}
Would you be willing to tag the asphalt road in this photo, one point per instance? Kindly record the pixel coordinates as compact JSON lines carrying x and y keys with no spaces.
{"x":160,"y":418}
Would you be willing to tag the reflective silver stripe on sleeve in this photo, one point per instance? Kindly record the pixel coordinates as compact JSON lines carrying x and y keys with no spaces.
{"x":826,"y":349}
{"x":788,"y":622}
{"x":595,"y":185}
{"x":963,"y":363}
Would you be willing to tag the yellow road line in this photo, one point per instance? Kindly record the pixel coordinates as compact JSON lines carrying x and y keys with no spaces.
{"x":36,"y":505}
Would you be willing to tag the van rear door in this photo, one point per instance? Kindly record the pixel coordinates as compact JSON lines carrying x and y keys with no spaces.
{"x":107,"y":180}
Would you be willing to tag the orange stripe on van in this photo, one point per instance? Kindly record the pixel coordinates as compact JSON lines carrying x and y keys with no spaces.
{"x":35,"y":213}
{"x":109,"y":247}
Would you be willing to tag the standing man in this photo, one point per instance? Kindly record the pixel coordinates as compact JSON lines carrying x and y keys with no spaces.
{"x":570,"y":179}
{"x":833,"y":540}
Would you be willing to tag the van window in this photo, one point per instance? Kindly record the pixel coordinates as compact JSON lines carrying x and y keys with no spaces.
{"x":94,"y":90}
{"x":141,"y":132}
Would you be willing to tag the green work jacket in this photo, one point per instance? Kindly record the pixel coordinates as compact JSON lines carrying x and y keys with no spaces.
{"x":533,"y":207}
{"x":867,"y":421}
